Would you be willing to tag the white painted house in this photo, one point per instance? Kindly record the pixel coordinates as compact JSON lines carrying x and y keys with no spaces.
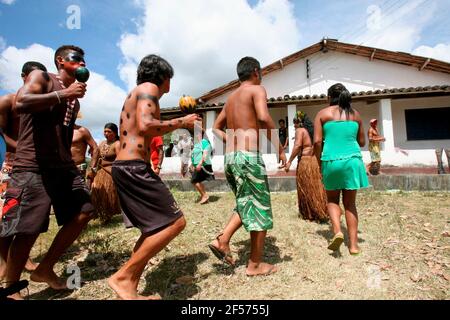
{"x":409,"y":95}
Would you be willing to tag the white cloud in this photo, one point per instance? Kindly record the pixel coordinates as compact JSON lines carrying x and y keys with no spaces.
{"x":12,"y":60}
{"x":396,"y":28}
{"x":103,"y":100}
{"x":204,"y":40}
{"x":439,"y":52}
{"x":7,"y":1}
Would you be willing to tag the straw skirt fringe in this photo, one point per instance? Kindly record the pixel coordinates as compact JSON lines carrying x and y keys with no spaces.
{"x":104,"y":196}
{"x":312,"y":199}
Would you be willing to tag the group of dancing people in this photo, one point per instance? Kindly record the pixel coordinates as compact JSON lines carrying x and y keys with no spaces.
{"x":44,"y":173}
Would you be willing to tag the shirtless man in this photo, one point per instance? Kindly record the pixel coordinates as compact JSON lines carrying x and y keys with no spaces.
{"x":145,"y":200}
{"x":9,"y":123}
{"x":82,"y":138}
{"x":246,"y":113}
{"x":44,"y":173}
{"x":374,"y":148}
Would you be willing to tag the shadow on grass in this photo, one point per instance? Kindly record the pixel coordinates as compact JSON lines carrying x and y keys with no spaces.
{"x":50,"y":294}
{"x":99,"y":266}
{"x":271,"y":254}
{"x":68,"y":255}
{"x":214,"y":199}
{"x":96,"y":225}
{"x":87,"y":237}
{"x":163,"y":278}
{"x":328,"y":235}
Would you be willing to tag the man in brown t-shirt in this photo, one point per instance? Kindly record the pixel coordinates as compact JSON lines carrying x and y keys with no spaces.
{"x":9,"y":123}
{"x":44,"y":173}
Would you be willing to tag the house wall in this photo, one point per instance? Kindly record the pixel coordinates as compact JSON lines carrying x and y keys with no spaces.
{"x":355,"y":72}
{"x":417,"y":152}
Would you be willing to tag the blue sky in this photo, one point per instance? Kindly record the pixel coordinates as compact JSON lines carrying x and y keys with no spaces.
{"x":102,"y":23}
{"x":203,"y":38}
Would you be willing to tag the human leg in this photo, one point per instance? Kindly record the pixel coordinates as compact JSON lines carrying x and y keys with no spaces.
{"x":19,"y":252}
{"x":125,"y":281}
{"x":5,"y":243}
{"x":201,"y":189}
{"x":351,"y":217}
{"x":334,"y":211}
{"x":64,"y":239}
{"x":222,"y":242}
{"x":255,"y":265}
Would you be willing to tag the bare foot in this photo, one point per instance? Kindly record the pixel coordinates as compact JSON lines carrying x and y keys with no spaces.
{"x":126,"y":290}
{"x":261,"y":269}
{"x":50,"y":278}
{"x":204,"y":200}
{"x":354,"y":250}
{"x":15,"y":296}
{"x":31,"y":266}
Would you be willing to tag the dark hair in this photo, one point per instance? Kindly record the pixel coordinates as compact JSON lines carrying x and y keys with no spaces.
{"x":113,"y":128}
{"x":305,"y":122}
{"x":339,"y":95}
{"x":246,"y":66}
{"x":308,"y":125}
{"x":64,"y":50}
{"x":154,"y":69}
{"x":32,"y":65}
{"x":281,"y":120}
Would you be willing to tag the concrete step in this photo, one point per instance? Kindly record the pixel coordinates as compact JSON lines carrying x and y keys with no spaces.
{"x":410,"y":182}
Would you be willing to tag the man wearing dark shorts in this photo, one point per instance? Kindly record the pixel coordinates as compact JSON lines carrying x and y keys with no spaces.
{"x":9,"y":123}
{"x":145,"y":200}
{"x":44,"y":173}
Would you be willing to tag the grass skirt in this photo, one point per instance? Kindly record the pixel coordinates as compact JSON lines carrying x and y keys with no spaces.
{"x":312,"y":199}
{"x":104,"y":196}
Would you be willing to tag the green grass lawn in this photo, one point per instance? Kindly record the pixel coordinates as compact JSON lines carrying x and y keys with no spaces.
{"x":404,"y":238}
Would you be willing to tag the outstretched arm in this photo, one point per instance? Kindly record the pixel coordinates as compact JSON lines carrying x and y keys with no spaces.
{"x":147,"y":116}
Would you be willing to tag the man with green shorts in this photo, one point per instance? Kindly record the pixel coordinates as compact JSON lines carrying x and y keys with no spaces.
{"x":245,"y":116}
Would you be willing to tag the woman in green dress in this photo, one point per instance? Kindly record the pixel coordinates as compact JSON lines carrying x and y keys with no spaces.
{"x":338,"y":138}
{"x":201,"y":165}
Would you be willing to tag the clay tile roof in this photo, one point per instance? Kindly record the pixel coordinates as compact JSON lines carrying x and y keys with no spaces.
{"x":326,"y":45}
{"x":392,"y":93}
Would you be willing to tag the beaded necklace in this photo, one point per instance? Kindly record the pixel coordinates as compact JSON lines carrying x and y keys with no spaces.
{"x":70,"y":105}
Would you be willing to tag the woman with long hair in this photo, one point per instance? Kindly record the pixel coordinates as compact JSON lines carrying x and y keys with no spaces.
{"x":103,"y":193}
{"x":339,"y":130}
{"x":312,"y":200}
